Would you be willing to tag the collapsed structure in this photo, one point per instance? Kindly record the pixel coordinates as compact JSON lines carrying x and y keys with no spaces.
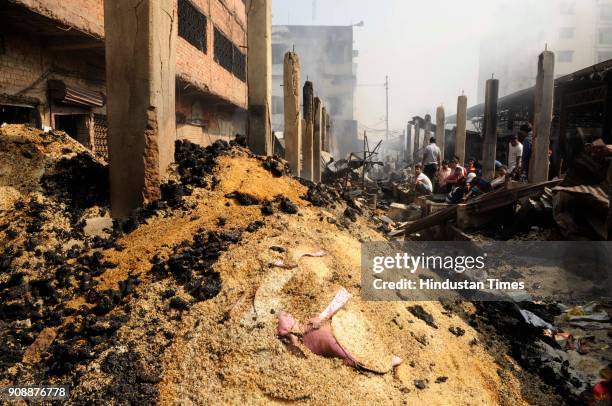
{"x":178,"y":298}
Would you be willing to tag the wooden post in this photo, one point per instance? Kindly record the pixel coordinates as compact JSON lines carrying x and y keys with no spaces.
{"x":489,"y":148}
{"x":324,"y":135}
{"x":417,"y":137}
{"x":409,"y":143}
{"x":316,"y":144}
{"x":308,"y":130}
{"x":543,"y":111}
{"x":461,"y":132}
{"x":293,"y":116}
{"x":441,"y":130}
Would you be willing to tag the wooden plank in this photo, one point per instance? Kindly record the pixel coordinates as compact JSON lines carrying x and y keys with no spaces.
{"x":432,"y":220}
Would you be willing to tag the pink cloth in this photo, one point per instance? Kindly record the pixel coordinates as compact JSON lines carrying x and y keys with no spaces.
{"x":320,"y":340}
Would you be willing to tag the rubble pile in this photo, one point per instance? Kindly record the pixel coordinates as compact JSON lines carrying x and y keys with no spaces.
{"x":180,"y":303}
{"x":557,"y":342}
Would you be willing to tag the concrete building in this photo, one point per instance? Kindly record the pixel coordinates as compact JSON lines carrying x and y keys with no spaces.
{"x":327,"y":59}
{"x":579,"y":32}
{"x":52,"y":68}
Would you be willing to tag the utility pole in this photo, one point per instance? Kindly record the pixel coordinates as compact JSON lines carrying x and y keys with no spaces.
{"x":387,"y":107}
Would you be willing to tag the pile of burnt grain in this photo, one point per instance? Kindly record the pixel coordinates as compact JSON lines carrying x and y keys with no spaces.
{"x":243,"y":199}
{"x":194,"y":162}
{"x":79,"y":181}
{"x":321,"y":195}
{"x":276,"y":166}
{"x":191,"y":263}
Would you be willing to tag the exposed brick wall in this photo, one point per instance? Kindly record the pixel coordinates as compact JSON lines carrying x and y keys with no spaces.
{"x":192,"y":65}
{"x":26,"y":62}
{"x":20,"y":65}
{"x":200,"y":69}
{"x":25,"y":68}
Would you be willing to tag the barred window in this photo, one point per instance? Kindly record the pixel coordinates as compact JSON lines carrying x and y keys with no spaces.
{"x":100,"y":146}
{"x":192,"y":25}
{"x":229,"y":56}
{"x":239,"y":64}
{"x":224,"y":50}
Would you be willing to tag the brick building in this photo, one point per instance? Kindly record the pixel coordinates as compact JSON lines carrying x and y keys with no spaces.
{"x":52,"y":68}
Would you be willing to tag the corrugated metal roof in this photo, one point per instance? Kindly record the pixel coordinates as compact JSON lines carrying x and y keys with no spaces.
{"x":59,"y":91}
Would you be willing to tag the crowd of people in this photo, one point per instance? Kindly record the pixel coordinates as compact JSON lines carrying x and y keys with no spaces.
{"x":461,"y":182}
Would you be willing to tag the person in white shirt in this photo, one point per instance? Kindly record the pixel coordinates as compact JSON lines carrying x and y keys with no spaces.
{"x":431,"y":158}
{"x":422,"y":183}
{"x":515,"y":156}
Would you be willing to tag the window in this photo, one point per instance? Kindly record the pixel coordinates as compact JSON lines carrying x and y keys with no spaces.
{"x":278,"y":54}
{"x":604,"y":56}
{"x":239,"y":65}
{"x":568,"y":7}
{"x":605,"y":36}
{"x":565,"y":56}
{"x":605,"y":12}
{"x":567,"y":32}
{"x":192,"y":25}
{"x":229,"y":56}
{"x":224,"y":50}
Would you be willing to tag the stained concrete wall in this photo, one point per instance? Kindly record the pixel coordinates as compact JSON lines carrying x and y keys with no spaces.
{"x":141,"y":98}
{"x":259,"y":14}
{"x":84,"y":15}
{"x":205,"y":123}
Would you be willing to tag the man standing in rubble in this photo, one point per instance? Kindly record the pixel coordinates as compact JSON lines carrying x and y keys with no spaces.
{"x":431,"y":159}
{"x":515,"y":157}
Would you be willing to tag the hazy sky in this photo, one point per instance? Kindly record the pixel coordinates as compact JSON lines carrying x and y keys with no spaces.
{"x":429,"y":49}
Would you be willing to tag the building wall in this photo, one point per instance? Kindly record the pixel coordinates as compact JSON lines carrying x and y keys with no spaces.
{"x":572,"y":36}
{"x":204,"y":123}
{"x":199,"y":68}
{"x":326,"y":59}
{"x":26,"y":66}
{"x":603,"y":30}
{"x":192,"y":65}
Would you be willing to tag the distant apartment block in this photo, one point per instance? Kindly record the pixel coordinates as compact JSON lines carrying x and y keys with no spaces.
{"x":578,"y":31}
{"x":327,"y":59}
